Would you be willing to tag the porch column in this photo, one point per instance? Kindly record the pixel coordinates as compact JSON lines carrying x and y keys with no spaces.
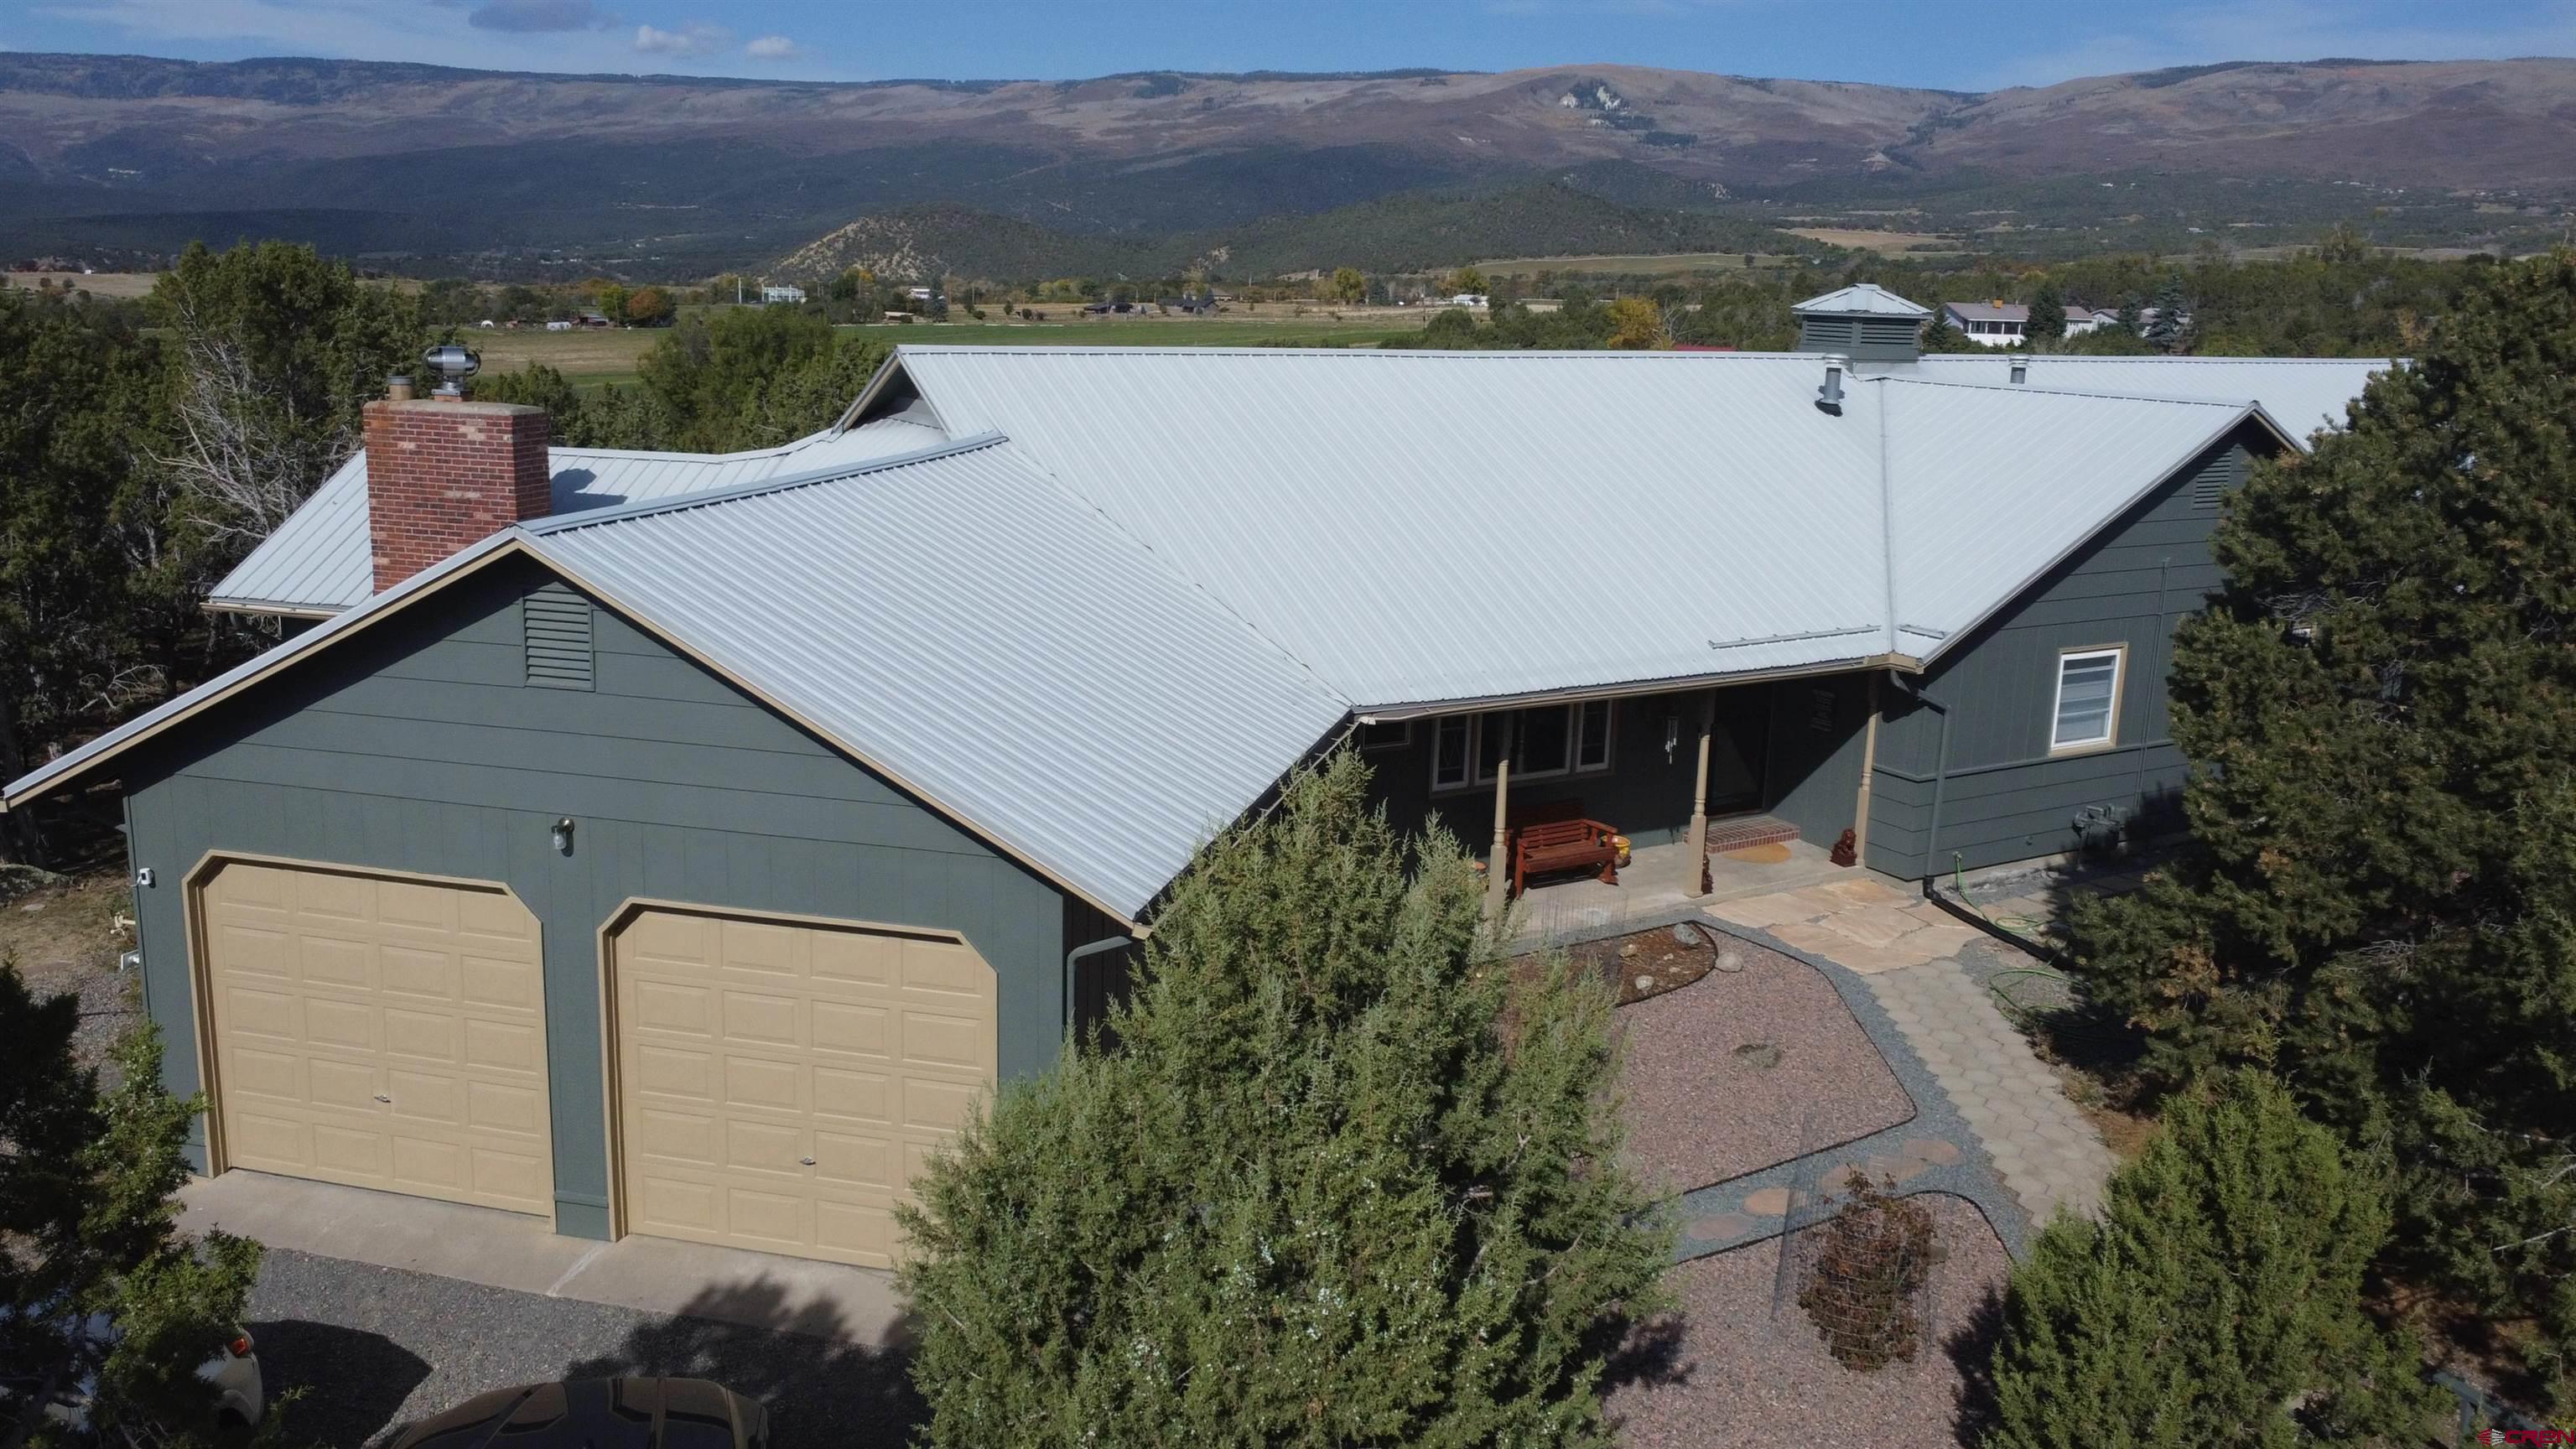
{"x":1498,"y":862}
{"x":1700,"y":882}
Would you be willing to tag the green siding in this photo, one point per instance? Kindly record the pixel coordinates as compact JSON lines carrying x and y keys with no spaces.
{"x":2005,"y":798}
{"x":423,"y":746}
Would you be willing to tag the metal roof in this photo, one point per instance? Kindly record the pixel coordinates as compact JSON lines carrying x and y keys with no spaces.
{"x":1863,"y":297}
{"x":966,"y":626}
{"x":1976,"y":518}
{"x":319,"y":561}
{"x":1427,"y":526}
{"x":2303,"y":394}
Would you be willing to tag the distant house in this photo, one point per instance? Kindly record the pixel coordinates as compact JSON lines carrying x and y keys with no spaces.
{"x":2001,"y":324}
{"x":918,"y":294}
{"x":595,"y":319}
{"x":1468,"y":299}
{"x":773,"y":296}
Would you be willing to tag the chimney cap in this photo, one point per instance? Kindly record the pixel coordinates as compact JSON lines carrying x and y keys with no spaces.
{"x":453,"y":362}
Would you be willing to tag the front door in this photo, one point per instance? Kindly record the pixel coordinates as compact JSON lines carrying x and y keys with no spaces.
{"x":1738,"y":749}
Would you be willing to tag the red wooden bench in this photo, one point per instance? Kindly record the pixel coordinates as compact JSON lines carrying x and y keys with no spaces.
{"x":1557,"y":837}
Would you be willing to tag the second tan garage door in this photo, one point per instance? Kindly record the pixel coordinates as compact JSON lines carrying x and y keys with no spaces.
{"x":780,"y":1082}
{"x":380,"y":1032}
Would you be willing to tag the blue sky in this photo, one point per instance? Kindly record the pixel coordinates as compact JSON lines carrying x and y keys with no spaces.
{"x":1963,"y":44}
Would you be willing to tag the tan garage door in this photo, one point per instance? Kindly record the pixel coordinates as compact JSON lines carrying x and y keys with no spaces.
{"x":780,"y":1082}
{"x":379,"y":1032}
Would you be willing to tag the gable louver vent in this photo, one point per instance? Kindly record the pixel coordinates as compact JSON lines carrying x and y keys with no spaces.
{"x":557,"y":624}
{"x":2212,"y":483}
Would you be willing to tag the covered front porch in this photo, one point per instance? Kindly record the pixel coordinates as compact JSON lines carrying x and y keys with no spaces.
{"x":1719,"y":792}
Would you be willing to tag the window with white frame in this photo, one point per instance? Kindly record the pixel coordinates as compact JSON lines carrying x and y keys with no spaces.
{"x":2088,"y":698}
{"x":1544,"y":740}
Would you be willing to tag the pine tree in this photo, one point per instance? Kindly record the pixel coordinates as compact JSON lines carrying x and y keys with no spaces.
{"x":2047,"y":315}
{"x":2165,"y":329}
{"x":1326,"y":1189}
{"x":2132,"y":315}
{"x":89,"y":1225}
{"x":2376,"y":900}
{"x":2218,"y":1300}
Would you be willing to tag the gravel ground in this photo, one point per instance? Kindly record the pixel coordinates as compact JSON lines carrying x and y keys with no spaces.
{"x":1738,"y":1071}
{"x":1742,"y":1374}
{"x":61,"y":931}
{"x":377,"y":1348}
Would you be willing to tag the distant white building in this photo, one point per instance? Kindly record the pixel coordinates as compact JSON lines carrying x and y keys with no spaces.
{"x":2002,"y":324}
{"x":1468,"y":299}
{"x":772,"y":296}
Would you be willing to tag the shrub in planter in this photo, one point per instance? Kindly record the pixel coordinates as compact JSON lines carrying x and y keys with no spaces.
{"x":1864,"y":1289}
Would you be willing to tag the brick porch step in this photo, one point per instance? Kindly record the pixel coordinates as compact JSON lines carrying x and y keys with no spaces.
{"x":1726,"y":835}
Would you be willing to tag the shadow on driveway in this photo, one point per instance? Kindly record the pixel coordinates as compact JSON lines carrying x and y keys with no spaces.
{"x":821,"y":1390}
{"x":353,"y":1382}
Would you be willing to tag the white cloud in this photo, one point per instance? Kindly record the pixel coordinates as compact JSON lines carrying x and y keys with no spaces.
{"x":692,"y":39}
{"x":773,"y":47}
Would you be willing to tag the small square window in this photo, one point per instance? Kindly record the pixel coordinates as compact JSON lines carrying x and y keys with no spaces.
{"x":2088,"y":699}
{"x":1392,"y":734}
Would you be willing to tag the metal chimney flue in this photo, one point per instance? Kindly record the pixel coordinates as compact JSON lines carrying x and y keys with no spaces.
{"x":1830,"y":395}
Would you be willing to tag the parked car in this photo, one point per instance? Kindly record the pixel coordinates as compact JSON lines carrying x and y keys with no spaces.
{"x":599,"y":1414}
{"x":240,"y":1397}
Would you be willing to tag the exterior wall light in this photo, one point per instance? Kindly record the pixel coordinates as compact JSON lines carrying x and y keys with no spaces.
{"x":563,"y":836}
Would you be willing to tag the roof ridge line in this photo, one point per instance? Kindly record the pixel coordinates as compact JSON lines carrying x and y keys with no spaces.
{"x":2023,"y":387}
{"x":566,"y":522}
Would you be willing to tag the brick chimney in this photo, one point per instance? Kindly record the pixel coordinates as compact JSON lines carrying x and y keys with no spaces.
{"x":443,"y":475}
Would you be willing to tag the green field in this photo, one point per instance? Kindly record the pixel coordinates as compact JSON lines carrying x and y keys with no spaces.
{"x":598,"y":359}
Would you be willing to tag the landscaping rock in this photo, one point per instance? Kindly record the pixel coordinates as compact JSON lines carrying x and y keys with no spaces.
{"x":1730,"y":962}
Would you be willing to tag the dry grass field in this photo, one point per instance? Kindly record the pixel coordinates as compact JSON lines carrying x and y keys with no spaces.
{"x":1916,"y":243}
{"x":97,"y":284}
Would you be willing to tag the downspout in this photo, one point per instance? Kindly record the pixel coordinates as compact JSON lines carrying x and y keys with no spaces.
{"x":1073,"y":960}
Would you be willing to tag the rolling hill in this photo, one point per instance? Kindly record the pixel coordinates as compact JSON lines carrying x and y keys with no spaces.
{"x":424,"y":166}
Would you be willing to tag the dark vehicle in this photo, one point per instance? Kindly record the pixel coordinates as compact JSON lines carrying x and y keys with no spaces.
{"x":599,"y":1414}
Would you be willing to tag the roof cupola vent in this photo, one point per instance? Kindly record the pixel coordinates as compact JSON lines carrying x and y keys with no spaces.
{"x":1864,"y":322}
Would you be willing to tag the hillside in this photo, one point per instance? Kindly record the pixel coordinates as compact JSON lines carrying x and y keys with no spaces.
{"x":677,"y":176}
{"x":1414,"y":231}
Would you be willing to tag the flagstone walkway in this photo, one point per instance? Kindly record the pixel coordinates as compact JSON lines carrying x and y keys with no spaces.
{"x":1907,"y":950}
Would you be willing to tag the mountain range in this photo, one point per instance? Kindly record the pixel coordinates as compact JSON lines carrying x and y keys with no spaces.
{"x":428,"y":167}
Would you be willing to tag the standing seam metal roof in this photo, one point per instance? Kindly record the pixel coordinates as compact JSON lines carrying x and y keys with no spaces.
{"x":960,"y":622}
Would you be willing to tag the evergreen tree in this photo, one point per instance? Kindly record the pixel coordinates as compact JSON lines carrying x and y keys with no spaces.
{"x":2218,"y":1300}
{"x":2165,"y":329}
{"x":2047,"y":315}
{"x":88,"y":1225}
{"x":1941,"y":335}
{"x":1326,"y":1188}
{"x":2376,"y":900}
{"x":2133,"y":315}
